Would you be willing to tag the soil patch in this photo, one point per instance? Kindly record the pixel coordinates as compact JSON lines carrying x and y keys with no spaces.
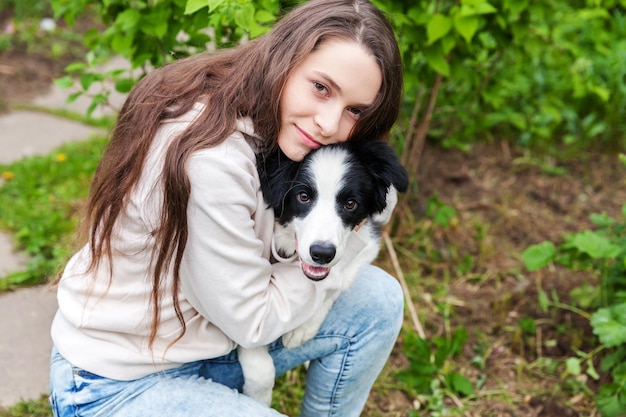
{"x":505,"y":201}
{"x":30,"y":64}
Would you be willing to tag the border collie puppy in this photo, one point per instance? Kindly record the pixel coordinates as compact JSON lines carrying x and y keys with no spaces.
{"x":318,"y":203}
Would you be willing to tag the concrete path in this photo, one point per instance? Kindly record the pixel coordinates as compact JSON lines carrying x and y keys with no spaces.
{"x":26,"y":314}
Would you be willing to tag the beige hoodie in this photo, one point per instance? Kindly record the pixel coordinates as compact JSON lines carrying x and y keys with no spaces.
{"x":230,"y":292}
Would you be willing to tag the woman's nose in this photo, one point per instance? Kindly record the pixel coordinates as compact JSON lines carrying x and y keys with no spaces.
{"x":328,"y":120}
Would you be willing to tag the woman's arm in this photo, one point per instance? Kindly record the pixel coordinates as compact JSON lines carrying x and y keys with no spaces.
{"x":226,"y":274}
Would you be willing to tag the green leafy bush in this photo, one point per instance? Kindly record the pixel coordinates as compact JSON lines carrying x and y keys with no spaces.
{"x":431,"y":374}
{"x":543,"y":74}
{"x":603,"y":253}
{"x":149,"y":34}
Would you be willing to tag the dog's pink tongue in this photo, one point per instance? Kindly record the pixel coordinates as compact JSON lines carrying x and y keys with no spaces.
{"x":315,"y":273}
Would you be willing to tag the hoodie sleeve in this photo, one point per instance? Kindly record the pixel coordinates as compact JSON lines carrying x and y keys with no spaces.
{"x":224,"y":273}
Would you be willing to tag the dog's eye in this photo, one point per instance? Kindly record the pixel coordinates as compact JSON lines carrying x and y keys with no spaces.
{"x":351,"y":204}
{"x":304,"y":197}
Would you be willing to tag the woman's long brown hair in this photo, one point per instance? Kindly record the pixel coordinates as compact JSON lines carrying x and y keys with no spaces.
{"x":243,"y":82}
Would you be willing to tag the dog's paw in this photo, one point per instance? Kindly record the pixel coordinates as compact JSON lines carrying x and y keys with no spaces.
{"x":257,"y":392}
{"x":299,"y":336}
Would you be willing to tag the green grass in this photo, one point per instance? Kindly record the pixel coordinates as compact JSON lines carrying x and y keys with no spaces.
{"x":289,"y":391}
{"x":40,"y":198}
{"x":33,"y":408}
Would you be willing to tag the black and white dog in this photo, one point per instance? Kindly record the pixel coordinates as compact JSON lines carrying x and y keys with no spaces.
{"x":318,"y":203}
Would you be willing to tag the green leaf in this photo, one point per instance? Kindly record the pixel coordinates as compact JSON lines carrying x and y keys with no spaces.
{"x":214,"y":4}
{"x":438,"y":27}
{"x":612,"y":359}
{"x":64,"y":82}
{"x":459,"y":337}
{"x":544,"y":301}
{"x":528,"y":325}
{"x":608,"y":400}
{"x":594,"y":245}
{"x":448,"y":43}
{"x":124,"y":85}
{"x":123,"y":45}
{"x":619,"y":373}
{"x":473,"y":8}
{"x":601,"y":219}
{"x":417,"y":15}
{"x":86,"y":80}
{"x":466,"y":26}
{"x":537,"y":256}
{"x":573,"y":366}
{"x":244,"y":17}
{"x":591,"y":370}
{"x":609,"y":324}
{"x":585,"y":295}
{"x":128,"y":20}
{"x":76,"y":66}
{"x":150,"y":27}
{"x":73,"y":97}
{"x":460,"y":384}
{"x":516,"y":6}
{"x":195,"y":5}
{"x":437,"y":61}
{"x":155,"y":22}
{"x":602,"y":92}
{"x":444,"y":216}
{"x":263,"y":16}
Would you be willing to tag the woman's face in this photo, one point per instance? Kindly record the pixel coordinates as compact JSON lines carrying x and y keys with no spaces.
{"x":325,"y":95}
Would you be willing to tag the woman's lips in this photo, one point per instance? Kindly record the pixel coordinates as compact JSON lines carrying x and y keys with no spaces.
{"x":308,"y":140}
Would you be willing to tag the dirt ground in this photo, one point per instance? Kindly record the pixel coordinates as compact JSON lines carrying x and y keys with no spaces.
{"x":22,"y":76}
{"x":27,"y":70}
{"x":505,"y":200}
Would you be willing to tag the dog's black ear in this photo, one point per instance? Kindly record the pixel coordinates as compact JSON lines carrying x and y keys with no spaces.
{"x":384,"y":168}
{"x":276,"y":172}
{"x":383,"y":163}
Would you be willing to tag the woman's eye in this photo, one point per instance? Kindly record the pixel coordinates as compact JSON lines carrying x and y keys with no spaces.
{"x":304,"y":197}
{"x":351,"y":204}
{"x":320,"y":88}
{"x":355,"y":112}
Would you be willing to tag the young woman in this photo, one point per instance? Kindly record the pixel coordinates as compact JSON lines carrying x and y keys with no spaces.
{"x":176,"y":268}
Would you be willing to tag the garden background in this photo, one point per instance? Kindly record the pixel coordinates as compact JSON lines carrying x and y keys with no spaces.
{"x":511,"y":241}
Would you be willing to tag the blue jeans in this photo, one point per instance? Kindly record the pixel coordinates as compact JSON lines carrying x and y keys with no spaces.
{"x":346,"y":357}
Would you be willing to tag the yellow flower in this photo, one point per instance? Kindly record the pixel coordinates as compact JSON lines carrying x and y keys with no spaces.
{"x":8,"y":175}
{"x":61,"y":157}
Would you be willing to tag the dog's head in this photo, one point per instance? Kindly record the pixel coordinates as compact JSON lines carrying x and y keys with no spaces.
{"x":319,"y":201}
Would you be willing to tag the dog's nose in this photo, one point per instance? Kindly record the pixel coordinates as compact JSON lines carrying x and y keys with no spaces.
{"x":322,"y":254}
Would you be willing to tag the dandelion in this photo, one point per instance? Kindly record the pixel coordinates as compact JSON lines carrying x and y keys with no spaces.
{"x":8,"y":175}
{"x":61,"y":157}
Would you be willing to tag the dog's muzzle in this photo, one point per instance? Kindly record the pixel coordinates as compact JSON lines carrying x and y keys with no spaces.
{"x":321,"y":254}
{"x":315,"y":273}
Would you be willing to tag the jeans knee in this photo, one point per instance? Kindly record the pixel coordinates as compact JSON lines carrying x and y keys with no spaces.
{"x":394,"y":302}
{"x":385,"y":299}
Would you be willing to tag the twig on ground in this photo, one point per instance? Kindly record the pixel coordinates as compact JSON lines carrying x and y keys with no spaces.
{"x":405,"y":288}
